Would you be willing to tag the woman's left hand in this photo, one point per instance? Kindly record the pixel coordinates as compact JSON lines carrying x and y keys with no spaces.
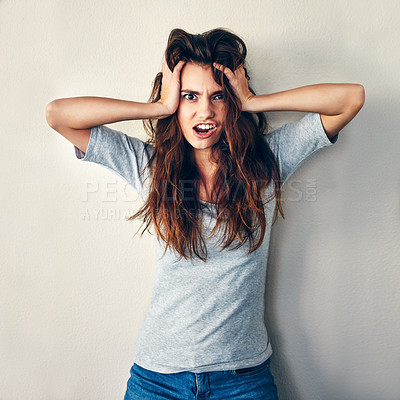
{"x":239,"y":84}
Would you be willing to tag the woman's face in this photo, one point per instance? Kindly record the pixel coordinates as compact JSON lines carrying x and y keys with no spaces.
{"x":202,"y":108}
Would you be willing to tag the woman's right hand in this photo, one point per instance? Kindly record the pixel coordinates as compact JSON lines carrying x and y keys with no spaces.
{"x":170,"y":88}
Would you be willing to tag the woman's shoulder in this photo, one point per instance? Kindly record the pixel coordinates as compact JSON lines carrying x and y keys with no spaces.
{"x":307,"y":128}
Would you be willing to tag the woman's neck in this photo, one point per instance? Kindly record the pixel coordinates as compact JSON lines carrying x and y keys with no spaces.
{"x":207,"y":183}
{"x":206,"y":166}
{"x":207,"y":171}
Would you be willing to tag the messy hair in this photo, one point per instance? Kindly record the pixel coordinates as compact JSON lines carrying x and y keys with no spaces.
{"x":246,"y":164}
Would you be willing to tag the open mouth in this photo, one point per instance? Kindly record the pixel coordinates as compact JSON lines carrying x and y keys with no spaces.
{"x":204,"y":130}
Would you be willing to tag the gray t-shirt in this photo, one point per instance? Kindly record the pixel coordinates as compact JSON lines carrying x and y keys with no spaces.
{"x":206,"y":316}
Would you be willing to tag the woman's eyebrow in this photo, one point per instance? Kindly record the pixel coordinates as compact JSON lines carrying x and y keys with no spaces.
{"x":194,"y":92}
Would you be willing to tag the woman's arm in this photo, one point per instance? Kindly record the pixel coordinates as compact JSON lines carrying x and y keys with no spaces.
{"x":86,"y":112}
{"x":74,"y":117}
{"x":338,"y":103}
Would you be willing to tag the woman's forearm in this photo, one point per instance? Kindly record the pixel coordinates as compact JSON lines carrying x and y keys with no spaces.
{"x":324,"y":98}
{"x":86,"y":112}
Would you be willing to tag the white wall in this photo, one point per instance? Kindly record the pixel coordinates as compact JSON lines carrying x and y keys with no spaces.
{"x":75,"y":287}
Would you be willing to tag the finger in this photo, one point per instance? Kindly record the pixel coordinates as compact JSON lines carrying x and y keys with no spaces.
{"x":179,"y":66}
{"x":229,"y":74}
{"x":241,"y":70}
{"x":222,"y":68}
{"x":165,"y":68}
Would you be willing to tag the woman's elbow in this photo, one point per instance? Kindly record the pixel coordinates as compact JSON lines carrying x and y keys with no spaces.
{"x":51,"y":114}
{"x":358,"y":96}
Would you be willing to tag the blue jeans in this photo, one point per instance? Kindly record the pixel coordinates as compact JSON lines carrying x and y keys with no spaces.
{"x":254,"y":383}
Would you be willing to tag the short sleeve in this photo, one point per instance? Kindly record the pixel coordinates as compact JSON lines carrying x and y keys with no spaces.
{"x":124,"y":155}
{"x":294,"y":142}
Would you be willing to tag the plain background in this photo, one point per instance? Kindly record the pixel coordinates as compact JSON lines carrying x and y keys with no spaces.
{"x":75,"y":286}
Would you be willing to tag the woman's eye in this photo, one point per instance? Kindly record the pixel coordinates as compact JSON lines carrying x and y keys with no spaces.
{"x":219,"y":97}
{"x":189,"y":96}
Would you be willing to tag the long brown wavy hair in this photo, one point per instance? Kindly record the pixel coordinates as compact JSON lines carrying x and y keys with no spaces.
{"x":246,"y":164}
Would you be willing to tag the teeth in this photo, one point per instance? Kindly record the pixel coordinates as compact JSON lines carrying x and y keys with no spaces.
{"x":205,"y":126}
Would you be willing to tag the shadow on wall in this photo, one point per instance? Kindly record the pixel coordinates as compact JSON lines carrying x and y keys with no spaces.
{"x":332,"y":322}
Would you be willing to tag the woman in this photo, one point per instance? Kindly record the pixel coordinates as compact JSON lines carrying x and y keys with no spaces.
{"x":211,"y":180}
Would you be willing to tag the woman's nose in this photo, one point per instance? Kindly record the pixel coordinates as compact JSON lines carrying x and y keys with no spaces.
{"x":205,"y":109}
